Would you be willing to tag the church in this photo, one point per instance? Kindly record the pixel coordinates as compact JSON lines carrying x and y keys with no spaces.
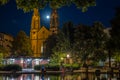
{"x":39,"y":34}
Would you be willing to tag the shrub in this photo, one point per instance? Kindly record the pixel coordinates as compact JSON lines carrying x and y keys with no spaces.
{"x":67,"y":65}
{"x":37,"y":67}
{"x":53,"y":67}
{"x":12,"y":67}
{"x":72,"y":66}
{"x":75,"y":66}
{"x":1,"y":67}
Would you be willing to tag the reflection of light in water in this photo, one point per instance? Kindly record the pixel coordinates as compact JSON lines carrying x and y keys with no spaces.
{"x":29,"y":77}
{"x":36,"y":77}
{"x":12,"y":79}
{"x":48,"y":78}
{"x":21,"y":78}
{"x":91,"y":76}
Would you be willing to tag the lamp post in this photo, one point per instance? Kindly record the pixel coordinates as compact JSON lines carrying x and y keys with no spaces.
{"x":61,"y":61}
{"x":68,"y":56}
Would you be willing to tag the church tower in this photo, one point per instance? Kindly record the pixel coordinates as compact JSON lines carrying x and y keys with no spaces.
{"x":35,"y":26}
{"x":39,"y":34}
{"x":54,"y":22}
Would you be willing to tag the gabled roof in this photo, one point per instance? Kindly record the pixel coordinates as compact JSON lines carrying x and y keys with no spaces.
{"x":43,"y":28}
{"x":43,"y":32}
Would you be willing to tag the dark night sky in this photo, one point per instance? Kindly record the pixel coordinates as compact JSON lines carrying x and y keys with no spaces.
{"x":13,"y":20}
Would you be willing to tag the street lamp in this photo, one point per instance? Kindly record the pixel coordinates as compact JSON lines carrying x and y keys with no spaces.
{"x":68,"y":55}
{"x":61,"y":61}
{"x":61,"y":58}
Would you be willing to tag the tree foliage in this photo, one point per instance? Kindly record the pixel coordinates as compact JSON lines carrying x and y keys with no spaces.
{"x":4,"y":52}
{"x":62,"y":47}
{"x":99,"y":38}
{"x":115,"y":31}
{"x":68,"y":30}
{"x":28,"y":5}
{"x":21,"y":45}
{"x":50,"y":44}
{"x":114,"y":41}
{"x":83,"y":44}
{"x":63,"y":43}
{"x":2,"y":2}
{"x":54,"y":4}
{"x":90,"y":42}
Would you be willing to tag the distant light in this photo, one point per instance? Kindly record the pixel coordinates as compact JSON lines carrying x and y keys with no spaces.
{"x":68,"y":55}
{"x":47,"y":17}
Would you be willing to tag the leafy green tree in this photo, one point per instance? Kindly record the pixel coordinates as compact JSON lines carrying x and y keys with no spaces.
{"x":4,"y":52}
{"x":115,"y":31}
{"x":62,"y":47}
{"x":114,"y":41}
{"x":82,"y":45}
{"x":1,"y":59}
{"x":28,"y":5}
{"x":50,"y":44}
{"x":90,"y":43}
{"x":99,"y":38}
{"x":63,"y":44}
{"x":21,"y":45}
{"x":68,"y":30}
{"x":2,"y":2}
{"x":56,"y":58}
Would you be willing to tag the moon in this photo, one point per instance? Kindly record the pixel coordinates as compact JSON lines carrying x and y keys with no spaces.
{"x":47,"y":16}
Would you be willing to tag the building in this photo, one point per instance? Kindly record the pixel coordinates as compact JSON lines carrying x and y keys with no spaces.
{"x":6,"y":41}
{"x":39,"y":34}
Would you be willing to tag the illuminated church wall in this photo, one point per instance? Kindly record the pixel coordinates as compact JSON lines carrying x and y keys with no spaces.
{"x":38,"y":34}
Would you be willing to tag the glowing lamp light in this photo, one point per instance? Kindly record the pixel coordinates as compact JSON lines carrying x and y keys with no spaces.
{"x":68,"y":55}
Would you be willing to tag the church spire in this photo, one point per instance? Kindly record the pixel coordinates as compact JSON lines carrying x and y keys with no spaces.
{"x":35,"y":27}
{"x":54,"y":22}
{"x":35,"y":23}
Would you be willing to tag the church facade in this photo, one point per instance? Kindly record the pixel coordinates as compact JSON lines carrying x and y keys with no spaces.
{"x":39,"y":34}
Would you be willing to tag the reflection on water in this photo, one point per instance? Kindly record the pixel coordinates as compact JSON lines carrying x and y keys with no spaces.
{"x":68,"y":76}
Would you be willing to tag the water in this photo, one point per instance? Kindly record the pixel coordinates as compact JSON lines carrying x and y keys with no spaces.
{"x":67,"y":76}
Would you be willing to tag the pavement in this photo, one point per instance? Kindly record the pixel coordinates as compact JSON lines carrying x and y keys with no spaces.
{"x":30,"y":70}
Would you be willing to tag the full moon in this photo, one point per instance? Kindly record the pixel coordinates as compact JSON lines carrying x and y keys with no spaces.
{"x":47,"y":17}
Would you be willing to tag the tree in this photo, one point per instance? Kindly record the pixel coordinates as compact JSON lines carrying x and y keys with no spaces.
{"x":28,"y":5}
{"x":63,"y":44}
{"x":83,"y":44}
{"x":99,"y":38}
{"x":21,"y":45}
{"x":68,"y":30}
{"x":114,"y":41}
{"x":50,"y":44}
{"x":90,"y":43}
{"x":4,"y":52}
{"x":115,"y":31}
{"x":2,"y":2}
{"x":62,"y":47}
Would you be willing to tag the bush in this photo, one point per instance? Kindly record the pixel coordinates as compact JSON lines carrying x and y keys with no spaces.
{"x":53,"y":67}
{"x":37,"y":67}
{"x":72,"y":66}
{"x":67,"y":65}
{"x":75,"y":66}
{"x":12,"y":67}
{"x":1,"y":67}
